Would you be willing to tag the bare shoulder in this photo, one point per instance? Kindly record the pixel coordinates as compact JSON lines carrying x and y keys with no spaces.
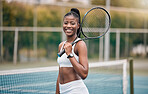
{"x":81,"y":45}
{"x":60,"y":45}
{"x":81,"y":49}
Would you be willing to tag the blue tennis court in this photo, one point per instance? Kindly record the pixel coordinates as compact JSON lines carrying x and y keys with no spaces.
{"x":44,"y":82}
{"x":140,"y":84}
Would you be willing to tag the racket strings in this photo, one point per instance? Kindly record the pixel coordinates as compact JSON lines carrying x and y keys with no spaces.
{"x":95,"y":23}
{"x":96,"y":19}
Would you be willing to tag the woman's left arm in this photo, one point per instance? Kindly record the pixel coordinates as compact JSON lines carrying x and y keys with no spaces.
{"x":82,"y":67}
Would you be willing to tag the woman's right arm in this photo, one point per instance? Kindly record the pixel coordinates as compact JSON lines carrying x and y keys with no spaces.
{"x":57,"y":85}
{"x":58,"y":79}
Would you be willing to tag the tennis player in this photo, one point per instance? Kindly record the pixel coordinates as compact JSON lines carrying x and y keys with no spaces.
{"x":73,"y":64}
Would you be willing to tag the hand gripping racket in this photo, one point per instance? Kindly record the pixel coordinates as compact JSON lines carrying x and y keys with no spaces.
{"x":95,"y":24}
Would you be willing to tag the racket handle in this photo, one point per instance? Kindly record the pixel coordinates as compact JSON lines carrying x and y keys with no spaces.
{"x":61,"y":53}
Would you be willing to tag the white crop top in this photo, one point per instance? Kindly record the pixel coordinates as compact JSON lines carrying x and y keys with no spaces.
{"x":63,"y":61}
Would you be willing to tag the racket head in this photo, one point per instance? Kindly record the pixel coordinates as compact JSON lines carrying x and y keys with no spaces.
{"x":95,"y":23}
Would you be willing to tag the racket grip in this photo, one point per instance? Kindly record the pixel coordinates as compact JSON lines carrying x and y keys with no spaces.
{"x":61,"y":53}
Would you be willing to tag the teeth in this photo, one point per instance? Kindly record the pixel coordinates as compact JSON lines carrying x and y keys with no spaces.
{"x":68,"y":30}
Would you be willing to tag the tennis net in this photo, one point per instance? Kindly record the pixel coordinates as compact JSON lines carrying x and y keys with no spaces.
{"x":107,"y":77}
{"x":104,"y":78}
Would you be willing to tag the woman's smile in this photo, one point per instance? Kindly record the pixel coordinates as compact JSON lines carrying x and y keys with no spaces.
{"x":68,"y":30}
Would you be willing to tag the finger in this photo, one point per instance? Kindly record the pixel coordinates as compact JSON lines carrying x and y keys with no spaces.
{"x":67,"y":45}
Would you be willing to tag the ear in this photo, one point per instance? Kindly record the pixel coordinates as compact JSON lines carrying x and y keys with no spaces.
{"x":78,"y":25}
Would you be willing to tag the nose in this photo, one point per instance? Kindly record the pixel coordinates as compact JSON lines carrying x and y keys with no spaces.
{"x":68,"y":25}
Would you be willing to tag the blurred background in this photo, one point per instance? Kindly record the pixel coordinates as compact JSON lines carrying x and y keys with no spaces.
{"x":31,"y":30}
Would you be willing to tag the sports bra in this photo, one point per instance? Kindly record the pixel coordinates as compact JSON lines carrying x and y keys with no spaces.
{"x":63,"y":61}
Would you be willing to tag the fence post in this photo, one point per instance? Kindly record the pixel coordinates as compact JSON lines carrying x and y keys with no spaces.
{"x":1,"y":31}
{"x":15,"y":46}
{"x":117,"y":45}
{"x":131,"y":73}
{"x":101,"y":49}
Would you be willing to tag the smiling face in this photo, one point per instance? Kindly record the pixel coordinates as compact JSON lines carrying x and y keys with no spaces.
{"x":70,"y":25}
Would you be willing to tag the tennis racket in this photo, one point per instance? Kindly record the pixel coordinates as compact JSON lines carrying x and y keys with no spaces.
{"x":95,"y":24}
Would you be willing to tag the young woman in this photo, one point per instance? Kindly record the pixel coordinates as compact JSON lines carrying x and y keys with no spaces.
{"x":73,"y":64}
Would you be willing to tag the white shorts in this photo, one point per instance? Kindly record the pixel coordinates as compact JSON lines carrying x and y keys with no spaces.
{"x":74,"y":87}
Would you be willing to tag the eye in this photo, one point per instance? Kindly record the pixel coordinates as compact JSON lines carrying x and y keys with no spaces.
{"x":65,"y":22}
{"x":73,"y":23}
